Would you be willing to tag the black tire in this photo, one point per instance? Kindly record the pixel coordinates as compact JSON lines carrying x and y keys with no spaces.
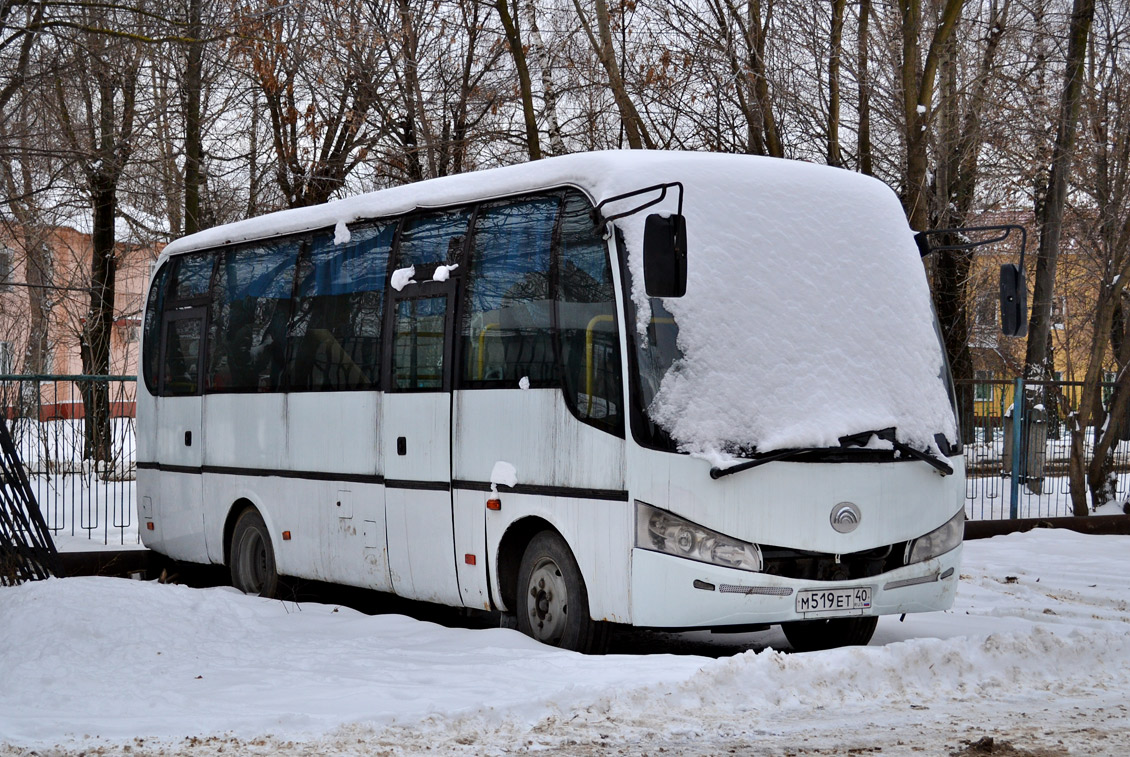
{"x":829,"y":633}
{"x":252,"y":557}
{"x":552,"y":603}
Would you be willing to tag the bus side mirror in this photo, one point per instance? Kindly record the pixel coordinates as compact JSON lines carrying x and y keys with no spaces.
{"x":665,"y":255}
{"x":1014,"y":301}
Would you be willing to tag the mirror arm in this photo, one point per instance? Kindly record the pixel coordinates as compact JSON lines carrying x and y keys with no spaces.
{"x":599,"y":217}
{"x":922,"y":238}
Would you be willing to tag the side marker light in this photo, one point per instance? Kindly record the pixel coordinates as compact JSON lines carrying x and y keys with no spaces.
{"x":286,"y":535}
{"x":494,"y":504}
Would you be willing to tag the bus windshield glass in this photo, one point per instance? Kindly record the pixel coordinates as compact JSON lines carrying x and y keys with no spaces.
{"x":807,"y":319}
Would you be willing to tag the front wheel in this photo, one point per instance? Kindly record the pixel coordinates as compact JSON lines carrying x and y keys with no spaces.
{"x":252,"y":558}
{"x":829,"y":633}
{"x":552,"y":604}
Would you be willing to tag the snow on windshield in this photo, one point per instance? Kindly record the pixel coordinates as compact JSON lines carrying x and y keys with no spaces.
{"x":807,"y":315}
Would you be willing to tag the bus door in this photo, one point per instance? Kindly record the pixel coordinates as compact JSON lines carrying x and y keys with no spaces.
{"x":179,"y":444}
{"x":416,"y":440}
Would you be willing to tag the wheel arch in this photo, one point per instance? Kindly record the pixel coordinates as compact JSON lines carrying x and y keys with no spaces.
{"x":510,"y":550}
{"x":237,"y":509}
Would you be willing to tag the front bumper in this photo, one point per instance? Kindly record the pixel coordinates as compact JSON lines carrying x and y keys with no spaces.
{"x":672,"y":592}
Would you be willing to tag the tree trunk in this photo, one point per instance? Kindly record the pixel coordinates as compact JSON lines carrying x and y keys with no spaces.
{"x":518,"y":52}
{"x":756,"y":33}
{"x":193,"y":141}
{"x":537,"y":49}
{"x":836,"y":44}
{"x":918,"y":94}
{"x":1051,"y":217}
{"x":1051,"y":228}
{"x":95,"y":346}
{"x":634,"y":128}
{"x":863,"y":138}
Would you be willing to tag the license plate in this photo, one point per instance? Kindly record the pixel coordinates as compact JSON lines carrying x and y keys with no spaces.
{"x":847,"y":601}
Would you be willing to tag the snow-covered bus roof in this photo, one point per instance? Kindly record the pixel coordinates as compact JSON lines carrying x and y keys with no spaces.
{"x":807,"y":315}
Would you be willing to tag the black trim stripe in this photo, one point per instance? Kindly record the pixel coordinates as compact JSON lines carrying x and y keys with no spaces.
{"x":608,"y":495}
{"x":169,"y":468}
{"x":353,"y":478}
{"x":427,"y":486}
{"x":611,"y":495}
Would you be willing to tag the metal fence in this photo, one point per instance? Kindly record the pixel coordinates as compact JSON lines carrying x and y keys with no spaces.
{"x":92,"y":496}
{"x":85,"y":489}
{"x":1025,"y":476}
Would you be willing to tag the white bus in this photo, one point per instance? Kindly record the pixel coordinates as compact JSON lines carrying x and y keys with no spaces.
{"x":670,"y":390}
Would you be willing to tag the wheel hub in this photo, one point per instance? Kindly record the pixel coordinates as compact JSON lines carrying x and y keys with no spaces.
{"x":549,"y":605}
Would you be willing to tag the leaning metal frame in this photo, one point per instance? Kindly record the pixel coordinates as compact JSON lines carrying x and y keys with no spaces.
{"x":27,"y":552}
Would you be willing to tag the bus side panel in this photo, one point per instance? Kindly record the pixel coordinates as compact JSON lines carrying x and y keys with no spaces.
{"x":470,"y":547}
{"x":334,"y":432}
{"x":246,"y":431}
{"x":598,"y":533}
{"x":178,"y":521}
{"x":581,"y":467}
{"x":285,"y":504}
{"x":532,"y":430}
{"x":178,"y":443}
{"x":145,"y":428}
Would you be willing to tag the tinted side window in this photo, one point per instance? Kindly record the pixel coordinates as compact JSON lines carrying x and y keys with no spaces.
{"x":194,"y":273}
{"x":418,"y":329}
{"x":507,"y":329}
{"x":335,"y":328}
{"x":184,"y":335}
{"x":151,"y":333}
{"x":586,"y":319}
{"x":436,"y":238}
{"x":250,"y":308}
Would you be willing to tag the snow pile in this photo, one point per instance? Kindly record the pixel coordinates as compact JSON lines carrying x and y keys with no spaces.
{"x":402,"y":277}
{"x":1036,"y":639}
{"x":503,"y":474}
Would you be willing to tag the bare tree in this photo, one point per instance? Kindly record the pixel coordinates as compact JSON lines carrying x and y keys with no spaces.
{"x":320,"y":71}
{"x":1036,"y":364}
{"x":1104,"y":178}
{"x":602,"y":43}
{"x":96,"y":101}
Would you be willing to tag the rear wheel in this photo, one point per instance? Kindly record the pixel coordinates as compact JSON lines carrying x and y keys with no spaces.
{"x":829,"y":633}
{"x":252,"y":557}
{"x":552,"y":604}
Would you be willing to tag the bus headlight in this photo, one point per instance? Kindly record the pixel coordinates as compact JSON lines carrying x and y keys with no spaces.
{"x":939,"y":541}
{"x":660,"y":531}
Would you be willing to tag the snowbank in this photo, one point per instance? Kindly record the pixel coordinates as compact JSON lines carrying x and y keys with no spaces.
{"x":1038,"y":631}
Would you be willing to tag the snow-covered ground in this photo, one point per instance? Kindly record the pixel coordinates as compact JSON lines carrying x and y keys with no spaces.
{"x":1036,"y":652}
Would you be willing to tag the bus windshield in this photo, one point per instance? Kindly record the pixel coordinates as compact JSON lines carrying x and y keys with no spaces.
{"x":795,"y":332}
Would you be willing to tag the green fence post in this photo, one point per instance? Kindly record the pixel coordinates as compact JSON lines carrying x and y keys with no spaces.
{"x":1017,"y":437}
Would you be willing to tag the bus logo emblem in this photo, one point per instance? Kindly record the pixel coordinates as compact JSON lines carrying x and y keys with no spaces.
{"x":845,"y":517}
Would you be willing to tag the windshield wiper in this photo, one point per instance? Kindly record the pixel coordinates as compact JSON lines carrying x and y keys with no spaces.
{"x":768,"y":457}
{"x":888,"y":435}
{"x":846,"y":442}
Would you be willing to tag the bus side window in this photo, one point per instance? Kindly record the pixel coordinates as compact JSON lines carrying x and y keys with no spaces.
{"x":250,"y":306}
{"x":151,"y":333}
{"x":507,"y":328}
{"x":435,"y":238}
{"x":180,"y":374}
{"x":586,"y":321}
{"x":335,"y":329}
